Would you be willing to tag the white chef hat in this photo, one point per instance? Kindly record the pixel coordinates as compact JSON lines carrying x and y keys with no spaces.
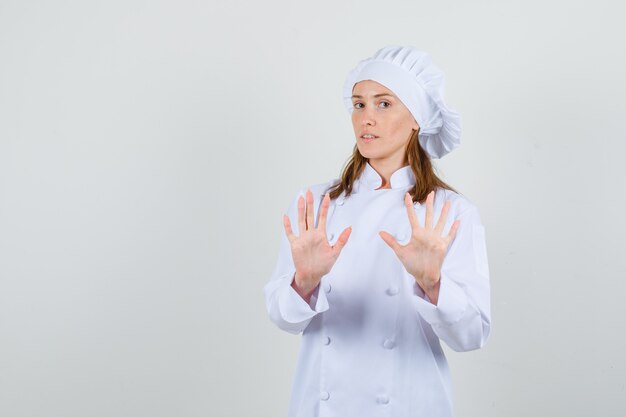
{"x":420,"y":85}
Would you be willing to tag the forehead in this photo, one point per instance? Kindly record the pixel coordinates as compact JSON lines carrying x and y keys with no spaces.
{"x":370,"y":88}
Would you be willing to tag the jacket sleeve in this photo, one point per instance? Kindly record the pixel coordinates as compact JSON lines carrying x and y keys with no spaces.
{"x":286,"y":308}
{"x":462,"y":316}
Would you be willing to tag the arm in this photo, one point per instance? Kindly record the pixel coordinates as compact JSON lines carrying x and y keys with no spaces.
{"x":461,"y":316}
{"x":285,"y":307}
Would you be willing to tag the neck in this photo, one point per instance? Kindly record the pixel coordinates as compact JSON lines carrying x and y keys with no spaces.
{"x":385,"y":169}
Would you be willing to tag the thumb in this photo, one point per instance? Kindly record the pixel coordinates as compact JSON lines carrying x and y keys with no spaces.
{"x":389,"y":240}
{"x":342,"y":239}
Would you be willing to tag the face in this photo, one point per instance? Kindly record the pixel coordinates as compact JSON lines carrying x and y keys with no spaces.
{"x":378,"y":111}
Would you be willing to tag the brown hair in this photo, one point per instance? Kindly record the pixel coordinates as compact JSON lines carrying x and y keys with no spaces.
{"x":426,"y":180}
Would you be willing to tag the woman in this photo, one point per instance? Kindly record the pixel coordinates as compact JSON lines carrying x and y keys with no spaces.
{"x":387,"y":260}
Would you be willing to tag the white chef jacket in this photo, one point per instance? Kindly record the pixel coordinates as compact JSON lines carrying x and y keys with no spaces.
{"x":370,"y":336}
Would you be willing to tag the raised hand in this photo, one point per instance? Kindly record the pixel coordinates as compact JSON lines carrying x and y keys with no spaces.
{"x":313,"y":256}
{"x":424,"y":254}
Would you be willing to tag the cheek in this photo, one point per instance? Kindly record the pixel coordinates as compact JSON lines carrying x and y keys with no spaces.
{"x":396,"y":126}
{"x":401,"y":127}
{"x":355,"y":121}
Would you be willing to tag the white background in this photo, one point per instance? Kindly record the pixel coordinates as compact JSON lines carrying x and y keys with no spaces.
{"x":149,"y":148}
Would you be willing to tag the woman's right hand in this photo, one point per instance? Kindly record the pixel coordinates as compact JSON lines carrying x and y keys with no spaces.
{"x":313,"y":257}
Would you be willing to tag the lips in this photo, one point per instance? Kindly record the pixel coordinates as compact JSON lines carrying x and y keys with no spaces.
{"x":368,"y":139}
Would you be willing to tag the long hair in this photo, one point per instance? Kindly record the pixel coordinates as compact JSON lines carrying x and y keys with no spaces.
{"x":426,"y":180}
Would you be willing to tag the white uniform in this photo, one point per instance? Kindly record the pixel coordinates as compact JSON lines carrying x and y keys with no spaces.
{"x":370,"y":336}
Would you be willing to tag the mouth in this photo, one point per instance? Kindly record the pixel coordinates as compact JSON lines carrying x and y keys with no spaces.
{"x":367,"y":138}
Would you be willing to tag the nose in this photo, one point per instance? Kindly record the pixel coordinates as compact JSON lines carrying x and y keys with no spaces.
{"x":368,"y":122}
{"x":367,"y":118}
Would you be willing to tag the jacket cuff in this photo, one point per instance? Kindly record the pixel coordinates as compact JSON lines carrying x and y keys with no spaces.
{"x":292,"y":306}
{"x":451,"y":304}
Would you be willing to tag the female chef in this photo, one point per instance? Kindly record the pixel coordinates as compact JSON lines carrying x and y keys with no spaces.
{"x":386,"y":261}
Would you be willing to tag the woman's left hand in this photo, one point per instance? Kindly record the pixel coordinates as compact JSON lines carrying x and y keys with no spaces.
{"x":423,"y":255}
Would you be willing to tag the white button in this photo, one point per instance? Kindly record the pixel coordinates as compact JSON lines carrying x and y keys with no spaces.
{"x":327,"y":287}
{"x":327,"y":340}
{"x":382,"y":399}
{"x":393,"y":290}
{"x":324,"y":395}
{"x":389,"y":344}
{"x":339,"y":201}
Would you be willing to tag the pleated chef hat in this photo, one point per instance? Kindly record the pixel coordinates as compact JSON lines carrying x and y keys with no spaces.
{"x":420,"y":85}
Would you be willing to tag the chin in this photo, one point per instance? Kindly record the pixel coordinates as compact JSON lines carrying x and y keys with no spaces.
{"x":368,"y":153}
{"x":364,"y":154}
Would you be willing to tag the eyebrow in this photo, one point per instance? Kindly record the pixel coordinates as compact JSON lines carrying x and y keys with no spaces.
{"x":377,"y":95}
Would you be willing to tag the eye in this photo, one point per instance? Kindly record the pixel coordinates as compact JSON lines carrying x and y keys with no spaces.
{"x":356,"y":105}
{"x":386,"y":102}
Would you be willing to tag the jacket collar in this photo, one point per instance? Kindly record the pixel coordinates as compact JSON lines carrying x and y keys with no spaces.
{"x":371,"y":180}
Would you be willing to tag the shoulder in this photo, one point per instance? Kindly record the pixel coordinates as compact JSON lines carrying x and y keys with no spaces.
{"x":318,"y":190}
{"x":460,"y":205}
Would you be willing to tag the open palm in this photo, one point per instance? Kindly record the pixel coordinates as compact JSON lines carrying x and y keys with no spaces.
{"x":313,"y":256}
{"x":423,"y":255}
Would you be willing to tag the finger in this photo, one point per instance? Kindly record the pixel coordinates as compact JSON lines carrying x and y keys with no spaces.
{"x":287,"y":225}
{"x":410,"y":208}
{"x":342,"y":240}
{"x":301,"y":221}
{"x":390,"y":240}
{"x":323,"y":212}
{"x":310,"y":223}
{"x":428,"y":221}
{"x":442,"y":217}
{"x":453,"y":229}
